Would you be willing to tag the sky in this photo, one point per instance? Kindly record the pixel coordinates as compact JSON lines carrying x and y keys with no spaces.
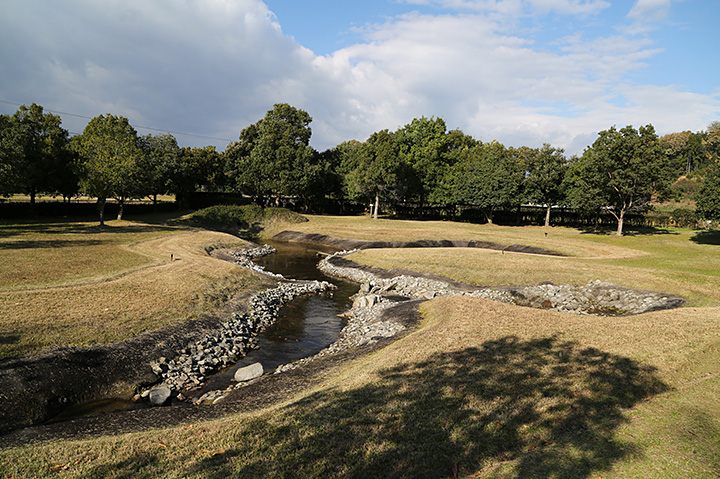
{"x":524,"y":72}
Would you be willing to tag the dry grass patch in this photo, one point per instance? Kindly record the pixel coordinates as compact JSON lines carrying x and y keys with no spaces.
{"x":118,"y":284}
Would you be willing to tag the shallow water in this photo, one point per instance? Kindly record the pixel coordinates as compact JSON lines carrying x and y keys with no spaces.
{"x":305,"y":326}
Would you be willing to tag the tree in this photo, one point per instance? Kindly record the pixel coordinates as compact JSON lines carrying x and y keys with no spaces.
{"x":198,"y":168}
{"x":244,"y":175}
{"x":43,"y":147}
{"x":708,"y":198}
{"x":273,"y":157}
{"x":157,"y":164}
{"x":10,"y":156}
{"x":456,"y":148}
{"x":378,"y":173}
{"x":711,"y":141}
{"x":620,"y":172}
{"x":545,"y":173}
{"x":685,"y":151}
{"x":487,"y":176}
{"x":421,"y":146}
{"x":109,"y":152}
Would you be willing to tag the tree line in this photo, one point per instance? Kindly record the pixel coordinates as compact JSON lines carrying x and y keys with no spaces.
{"x":422,"y":164}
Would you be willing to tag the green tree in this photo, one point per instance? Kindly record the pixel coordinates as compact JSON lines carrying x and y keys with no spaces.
{"x":378,"y":174}
{"x":708,"y":198}
{"x":11,"y":156}
{"x":546,"y":169}
{"x":273,"y":157}
{"x":43,"y":145}
{"x":244,"y":175}
{"x":711,"y":141}
{"x":282,"y":150}
{"x":198,"y":169}
{"x":422,"y":144}
{"x":157,"y":165}
{"x":487,"y":176}
{"x":620,"y":173}
{"x":108,"y":148}
{"x":685,"y":151}
{"x":456,"y":148}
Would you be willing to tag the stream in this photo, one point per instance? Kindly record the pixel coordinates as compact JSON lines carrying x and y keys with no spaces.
{"x":304,"y":327}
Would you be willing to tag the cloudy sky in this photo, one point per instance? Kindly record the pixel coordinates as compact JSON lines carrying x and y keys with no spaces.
{"x":520,"y":71}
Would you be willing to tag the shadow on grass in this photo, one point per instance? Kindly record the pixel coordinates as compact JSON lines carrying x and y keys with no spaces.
{"x":32,"y":244}
{"x":629,"y":231}
{"x":543,"y":408}
{"x":706,"y":237}
{"x":72,"y":227}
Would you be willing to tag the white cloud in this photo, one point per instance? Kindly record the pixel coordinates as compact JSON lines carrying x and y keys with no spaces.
{"x":214,"y":66}
{"x":650,"y":10}
{"x":516,"y":7}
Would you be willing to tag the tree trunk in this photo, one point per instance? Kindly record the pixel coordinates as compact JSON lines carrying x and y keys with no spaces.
{"x":101,"y":210}
{"x":377,"y":205}
{"x":489,"y":217}
{"x":32,"y":198}
{"x":154,"y":199}
{"x":621,"y":218}
{"x":547,"y":216}
{"x":121,"y":203}
{"x":277,"y":201}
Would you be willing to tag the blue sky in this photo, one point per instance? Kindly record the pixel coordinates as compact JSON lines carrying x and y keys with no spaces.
{"x":688,"y":37}
{"x":523,"y":72}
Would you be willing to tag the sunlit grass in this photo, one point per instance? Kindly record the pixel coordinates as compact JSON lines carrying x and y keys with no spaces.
{"x":74,"y":284}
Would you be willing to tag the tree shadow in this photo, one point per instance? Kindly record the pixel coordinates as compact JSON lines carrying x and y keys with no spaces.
{"x":628,"y":231}
{"x":32,"y":244}
{"x":71,"y":227}
{"x":543,"y":407}
{"x":706,"y":237}
{"x":130,"y":468}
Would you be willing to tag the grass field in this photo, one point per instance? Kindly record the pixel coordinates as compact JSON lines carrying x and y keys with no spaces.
{"x":480,"y":389}
{"x":74,"y":284}
{"x":682,"y":262}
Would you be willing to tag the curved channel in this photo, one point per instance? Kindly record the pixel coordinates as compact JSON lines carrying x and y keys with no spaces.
{"x":304,"y":327}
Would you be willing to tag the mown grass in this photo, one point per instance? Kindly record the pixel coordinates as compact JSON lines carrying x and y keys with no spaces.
{"x":74,"y":284}
{"x":480,"y":389}
{"x":677,"y":261}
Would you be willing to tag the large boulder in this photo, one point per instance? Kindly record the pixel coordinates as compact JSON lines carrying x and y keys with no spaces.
{"x":248,"y":373}
{"x":159,"y":395}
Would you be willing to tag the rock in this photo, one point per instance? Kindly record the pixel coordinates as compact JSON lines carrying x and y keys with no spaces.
{"x":159,"y":395}
{"x":248,"y":373}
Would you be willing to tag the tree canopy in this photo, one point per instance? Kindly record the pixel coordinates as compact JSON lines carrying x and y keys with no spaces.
{"x":487,"y":176}
{"x":546,"y":168}
{"x":108,"y":148}
{"x":708,"y":198}
{"x":158,"y":164}
{"x":620,"y":172}
{"x":378,"y":172}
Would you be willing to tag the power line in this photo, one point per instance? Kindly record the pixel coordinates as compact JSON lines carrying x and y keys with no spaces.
{"x":161,"y":130}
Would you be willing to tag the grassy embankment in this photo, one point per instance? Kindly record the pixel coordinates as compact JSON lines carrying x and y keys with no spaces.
{"x":481,"y":388}
{"x":75,"y":284}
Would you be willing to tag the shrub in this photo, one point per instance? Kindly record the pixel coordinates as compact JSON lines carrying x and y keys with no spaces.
{"x":283,"y":215}
{"x":684,"y":218}
{"x":233,"y":218}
